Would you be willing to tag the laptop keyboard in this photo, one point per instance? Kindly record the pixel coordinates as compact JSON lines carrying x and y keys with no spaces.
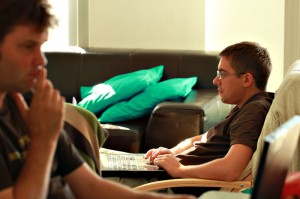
{"x":122,"y":162}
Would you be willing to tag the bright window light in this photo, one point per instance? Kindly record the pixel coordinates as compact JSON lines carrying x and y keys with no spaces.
{"x":59,"y":35}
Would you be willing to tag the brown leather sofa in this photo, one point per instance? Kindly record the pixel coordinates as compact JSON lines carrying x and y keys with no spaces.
{"x":170,"y":122}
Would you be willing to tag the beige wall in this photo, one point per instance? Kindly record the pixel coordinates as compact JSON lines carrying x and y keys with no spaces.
{"x":292,"y":32}
{"x":232,"y":21}
{"x":189,"y":24}
{"x":158,"y":24}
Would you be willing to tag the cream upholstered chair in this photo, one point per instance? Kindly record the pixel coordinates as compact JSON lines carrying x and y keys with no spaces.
{"x":243,"y":182}
{"x":285,"y":105}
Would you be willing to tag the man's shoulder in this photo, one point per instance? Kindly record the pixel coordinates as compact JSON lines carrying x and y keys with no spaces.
{"x":259,"y":104}
{"x":264,"y":99}
{"x":269,"y":96}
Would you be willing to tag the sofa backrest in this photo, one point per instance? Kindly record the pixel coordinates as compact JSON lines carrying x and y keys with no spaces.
{"x":63,"y":70}
{"x":70,"y":70}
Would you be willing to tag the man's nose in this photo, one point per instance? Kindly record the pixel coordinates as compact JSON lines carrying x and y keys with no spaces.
{"x":216,"y":81}
{"x":41,"y":59}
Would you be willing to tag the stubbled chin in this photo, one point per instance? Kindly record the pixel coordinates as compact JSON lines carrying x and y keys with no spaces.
{"x":222,"y":98}
{"x":29,"y":86}
{"x":220,"y":93}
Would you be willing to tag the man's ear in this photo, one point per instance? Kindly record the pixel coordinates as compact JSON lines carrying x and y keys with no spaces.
{"x":248,"y":79}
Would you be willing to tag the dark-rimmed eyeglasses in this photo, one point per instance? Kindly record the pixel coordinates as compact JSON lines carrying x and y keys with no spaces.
{"x":221,"y":74}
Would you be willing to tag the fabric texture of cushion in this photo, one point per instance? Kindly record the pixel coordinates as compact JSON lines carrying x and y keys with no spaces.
{"x":122,"y":87}
{"x":86,"y":134}
{"x":143,"y":103}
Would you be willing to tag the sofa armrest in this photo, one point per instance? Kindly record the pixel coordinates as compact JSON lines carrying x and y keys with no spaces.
{"x":210,"y":102}
{"x":172,"y":122}
{"x":121,"y":138}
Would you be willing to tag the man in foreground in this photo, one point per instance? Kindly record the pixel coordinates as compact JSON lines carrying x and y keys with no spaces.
{"x":35,"y":152}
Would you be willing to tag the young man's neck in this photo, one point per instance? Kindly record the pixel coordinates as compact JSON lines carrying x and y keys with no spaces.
{"x":248,"y":95}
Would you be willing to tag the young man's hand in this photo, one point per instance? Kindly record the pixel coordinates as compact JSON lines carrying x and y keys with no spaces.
{"x":169,"y":163}
{"x":154,"y":153}
{"x":45,"y":116}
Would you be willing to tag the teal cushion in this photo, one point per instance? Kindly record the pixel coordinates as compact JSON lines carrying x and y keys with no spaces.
{"x":143,"y":103}
{"x":122,"y":87}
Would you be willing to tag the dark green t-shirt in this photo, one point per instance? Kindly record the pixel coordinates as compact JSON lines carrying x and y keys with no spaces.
{"x":242,"y":126}
{"x":14,"y":142}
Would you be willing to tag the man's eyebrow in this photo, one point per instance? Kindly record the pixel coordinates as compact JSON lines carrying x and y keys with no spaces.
{"x":27,"y":42}
{"x":30,"y":41}
{"x":222,"y":70}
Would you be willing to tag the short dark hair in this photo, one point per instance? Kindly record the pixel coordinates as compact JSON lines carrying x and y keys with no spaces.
{"x":250,"y":57}
{"x":24,"y":12}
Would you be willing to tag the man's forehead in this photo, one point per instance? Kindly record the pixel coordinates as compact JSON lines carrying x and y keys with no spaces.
{"x":225,"y":64}
{"x":28,"y":32}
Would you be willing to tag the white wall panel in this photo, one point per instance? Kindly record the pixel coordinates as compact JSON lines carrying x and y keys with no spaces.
{"x":167,"y":24}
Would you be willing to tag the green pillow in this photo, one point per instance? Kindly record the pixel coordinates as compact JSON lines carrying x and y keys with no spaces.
{"x":122,"y":87}
{"x":143,"y":103}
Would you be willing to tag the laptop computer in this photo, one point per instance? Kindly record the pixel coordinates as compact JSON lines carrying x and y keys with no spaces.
{"x":122,"y":164}
{"x":278,"y":151}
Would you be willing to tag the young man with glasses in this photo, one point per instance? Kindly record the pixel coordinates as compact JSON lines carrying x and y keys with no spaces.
{"x":225,"y":150}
